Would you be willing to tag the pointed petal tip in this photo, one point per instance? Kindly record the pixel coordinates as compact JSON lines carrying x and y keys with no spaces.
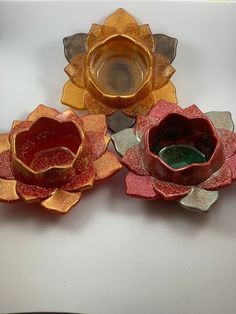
{"x":123,"y":140}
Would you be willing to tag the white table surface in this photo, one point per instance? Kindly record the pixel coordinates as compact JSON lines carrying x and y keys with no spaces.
{"x":114,"y":254}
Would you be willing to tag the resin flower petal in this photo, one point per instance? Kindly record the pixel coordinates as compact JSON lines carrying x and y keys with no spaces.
{"x":119,"y":69}
{"x":186,"y":154}
{"x":52,"y":157}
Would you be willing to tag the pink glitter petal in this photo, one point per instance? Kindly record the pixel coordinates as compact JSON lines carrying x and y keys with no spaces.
{"x":171,"y":191}
{"x":94,"y":123}
{"x":5,"y":166}
{"x":228,"y":139}
{"x":133,"y":161}
{"x":140,"y":186}
{"x":163,"y":108}
{"x":143,"y":123}
{"x":232,"y":163}
{"x":192,"y":112}
{"x":220,"y":179}
{"x":32,"y":192}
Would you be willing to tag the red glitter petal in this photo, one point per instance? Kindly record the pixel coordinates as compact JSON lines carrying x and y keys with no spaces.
{"x":228,"y":139}
{"x":5,"y":166}
{"x":143,"y":123}
{"x":192,"y":112}
{"x":81,"y":181}
{"x":232,"y":163}
{"x":98,"y":143}
{"x":171,"y":191}
{"x":32,"y":192}
{"x":133,"y":161}
{"x":163,"y":108}
{"x":140,"y":186}
{"x":220,"y":179}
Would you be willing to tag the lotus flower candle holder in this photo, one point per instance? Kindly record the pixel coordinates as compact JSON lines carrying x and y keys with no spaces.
{"x":52,"y":157}
{"x":119,"y":69}
{"x":179,"y":154}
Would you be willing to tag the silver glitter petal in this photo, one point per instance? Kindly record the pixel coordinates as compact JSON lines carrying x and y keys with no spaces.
{"x":221,"y":119}
{"x":74,"y":44}
{"x":118,"y":121}
{"x":199,"y":199}
{"x":166,"y":46}
{"x":123,"y":140}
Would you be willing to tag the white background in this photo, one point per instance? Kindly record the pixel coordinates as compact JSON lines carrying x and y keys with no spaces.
{"x":114,"y":254}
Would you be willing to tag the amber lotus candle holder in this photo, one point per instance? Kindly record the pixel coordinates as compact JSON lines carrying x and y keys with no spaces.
{"x":52,"y":157}
{"x":119,"y":69}
{"x":179,"y":154}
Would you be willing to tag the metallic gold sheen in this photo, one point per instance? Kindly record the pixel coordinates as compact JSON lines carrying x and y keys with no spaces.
{"x":8,"y":191}
{"x":4,"y":142}
{"x":61,"y":201}
{"x":73,"y":96}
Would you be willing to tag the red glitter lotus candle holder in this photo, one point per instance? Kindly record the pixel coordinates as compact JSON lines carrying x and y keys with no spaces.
{"x":179,"y":154}
{"x":52,"y":157}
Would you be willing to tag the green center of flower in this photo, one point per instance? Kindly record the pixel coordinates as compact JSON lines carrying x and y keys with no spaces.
{"x":178,"y":156}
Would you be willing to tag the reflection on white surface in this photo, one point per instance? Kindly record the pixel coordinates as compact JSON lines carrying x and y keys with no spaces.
{"x":112,"y":253}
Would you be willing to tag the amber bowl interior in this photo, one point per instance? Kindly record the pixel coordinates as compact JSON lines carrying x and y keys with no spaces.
{"x":119,"y":66}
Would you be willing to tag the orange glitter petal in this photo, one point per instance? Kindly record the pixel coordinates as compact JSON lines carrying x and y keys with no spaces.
{"x":142,"y":34}
{"x":99,"y":33}
{"x":75,"y":69}
{"x":163,"y":71}
{"x":120,"y":19}
{"x":73,"y":96}
{"x":42,"y":110}
{"x":69,"y":115}
{"x":4,"y":142}
{"x":94,"y":123}
{"x":96,"y":107}
{"x":167,"y":92}
{"x":61,"y":202}
{"x":106,"y":166}
{"x":8,"y":191}
{"x":140,"y":108}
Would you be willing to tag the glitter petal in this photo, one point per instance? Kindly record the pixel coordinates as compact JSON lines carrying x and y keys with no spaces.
{"x":40,"y":111}
{"x":140,"y":186}
{"x":98,"y":143}
{"x":82,"y":181}
{"x":140,"y":108}
{"x":192,"y":112}
{"x":133,"y":161}
{"x":73,"y":96}
{"x":4,"y":142}
{"x":107,"y":165}
{"x":163,"y":108}
{"x":163,"y":71}
{"x":61,"y":202}
{"x":142,"y":124}
{"x":221,"y":119}
{"x":8,"y":191}
{"x":75,"y":69}
{"x":232,"y":163}
{"x":5,"y":166}
{"x":32,"y":193}
{"x":199,"y":199}
{"x":229,"y":142}
{"x":218,"y":180}
{"x":124,"y":140}
{"x":171,"y":191}
{"x":119,"y":20}
{"x":94,"y":106}
{"x":94,"y":123}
